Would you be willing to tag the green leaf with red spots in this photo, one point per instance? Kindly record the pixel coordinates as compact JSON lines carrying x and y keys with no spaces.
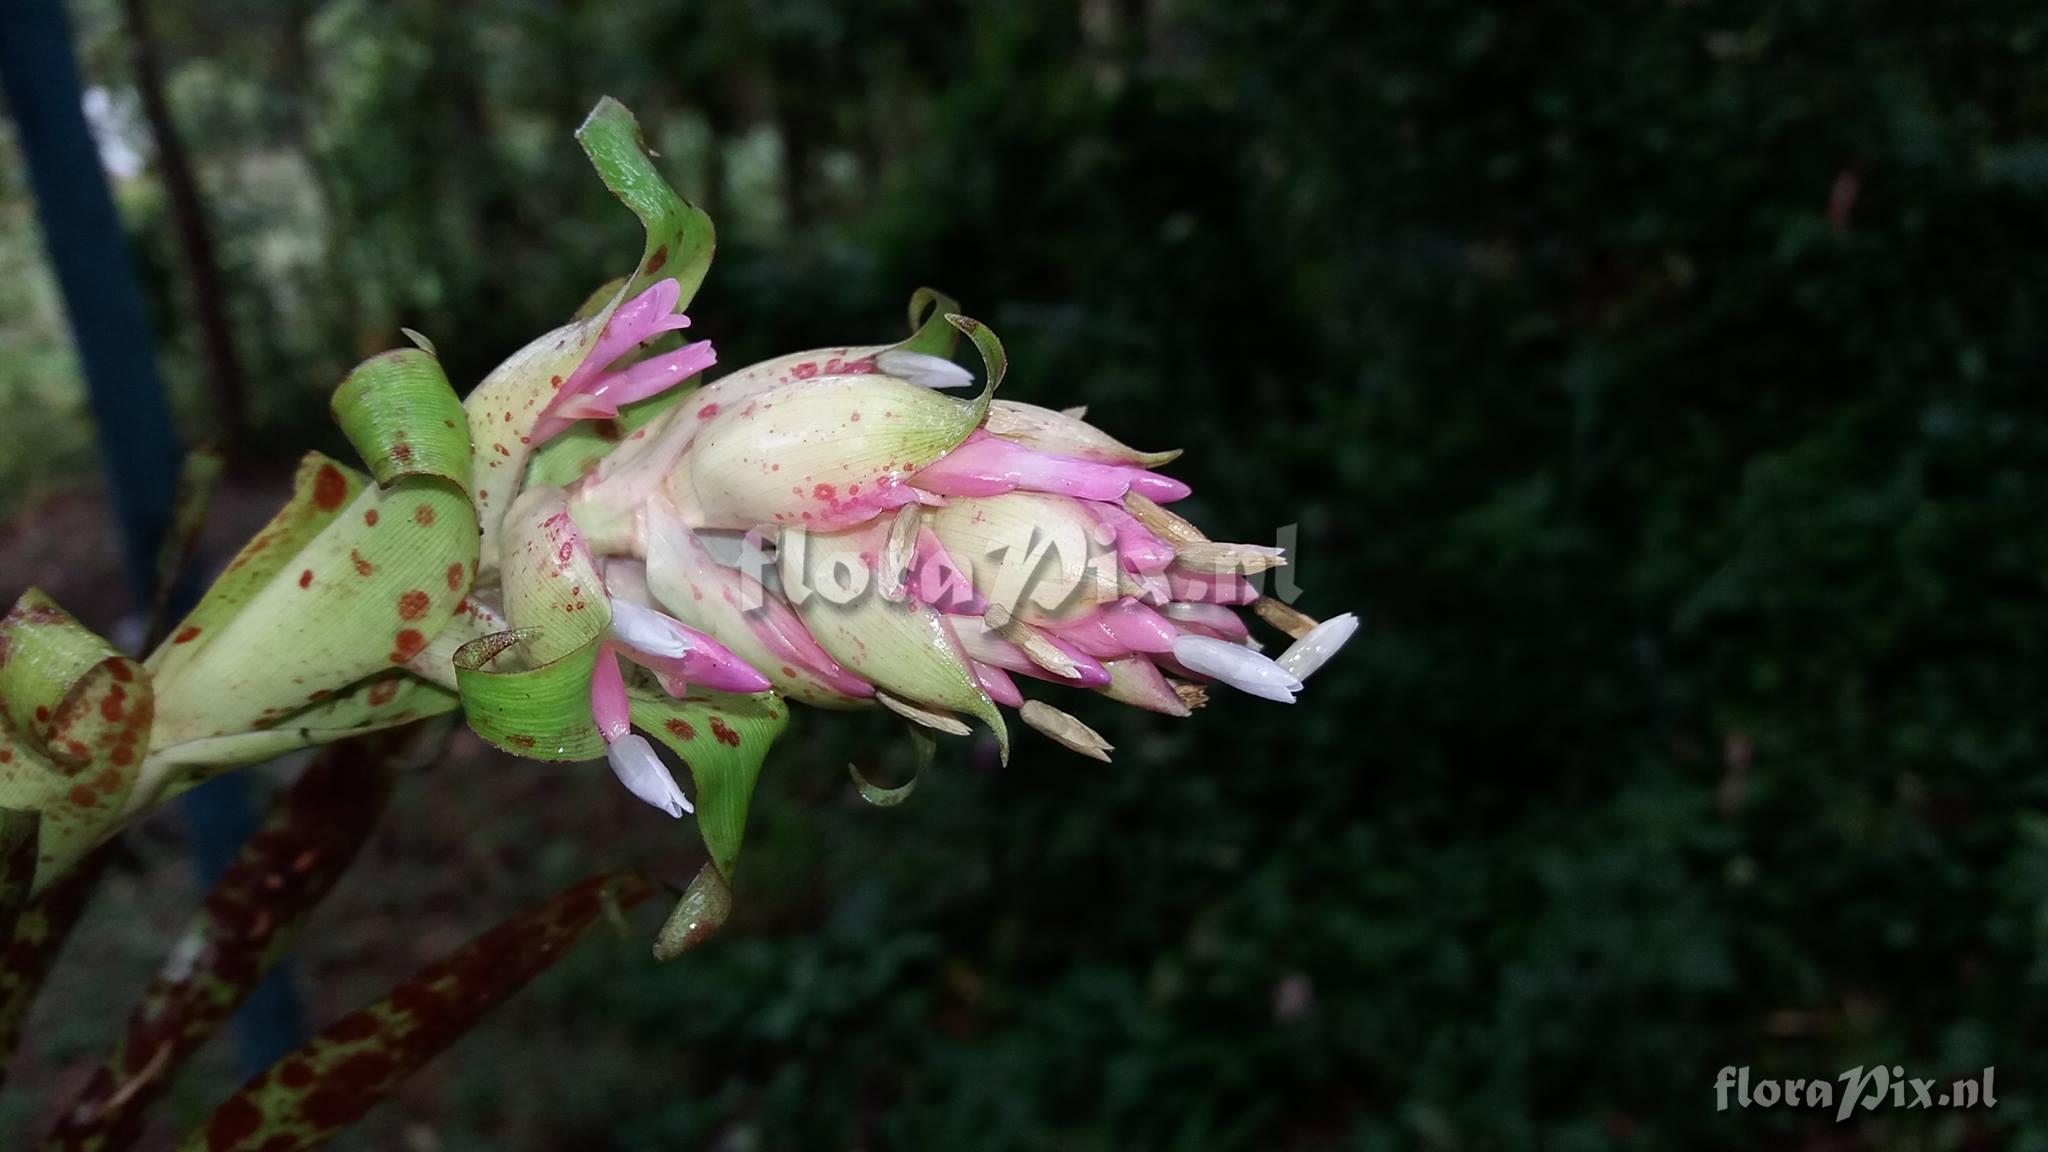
{"x":398,"y":410}
{"x":538,"y":711}
{"x":39,"y":935}
{"x":505,"y":408}
{"x":722,"y":738}
{"x":252,"y":915}
{"x":350,"y":581}
{"x":527,"y":690}
{"x":320,"y":490}
{"x":77,"y":719}
{"x":302,"y":1101}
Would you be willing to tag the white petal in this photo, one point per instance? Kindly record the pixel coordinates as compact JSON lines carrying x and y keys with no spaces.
{"x":644,"y":630}
{"x":644,"y":775}
{"x":1237,"y":666}
{"x":1308,"y":653}
{"x":924,"y":371}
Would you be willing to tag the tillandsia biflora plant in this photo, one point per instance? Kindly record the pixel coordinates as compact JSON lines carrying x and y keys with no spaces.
{"x":587,"y":556}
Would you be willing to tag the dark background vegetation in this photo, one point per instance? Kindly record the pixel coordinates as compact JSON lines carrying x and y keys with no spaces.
{"x":1662,"y":384}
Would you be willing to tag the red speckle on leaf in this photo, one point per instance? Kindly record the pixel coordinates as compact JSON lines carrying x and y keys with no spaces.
{"x":352,"y":1029}
{"x":232,"y":1123}
{"x":185,"y":635}
{"x":363,"y":567}
{"x":655,"y":261}
{"x":110,"y":708}
{"x":707,"y":412}
{"x":520,"y":740}
{"x":853,"y":419}
{"x":423,"y":516}
{"x":370,"y":517}
{"x":306,"y":578}
{"x":724,"y":733}
{"x":82,"y":797}
{"x":119,"y":671}
{"x":681,"y":729}
{"x":454,"y":577}
{"x":294,"y":1074}
{"x":361,"y":1072}
{"x":804,"y":371}
{"x":406,"y":645}
{"x":327,"y":1108}
{"x":413,"y":605}
{"x":402,"y":453}
{"x":382,"y":691}
{"x":329,"y":489}
{"x":824,"y":492}
{"x":42,"y":714}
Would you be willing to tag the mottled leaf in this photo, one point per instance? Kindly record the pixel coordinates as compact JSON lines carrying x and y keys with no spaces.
{"x":302,"y":1101}
{"x":349,"y":581}
{"x":398,"y":411}
{"x":250,"y":918}
{"x":39,"y":935}
{"x":527,"y":690}
{"x":75,"y":720}
{"x":541,"y":712}
{"x":723,"y":739}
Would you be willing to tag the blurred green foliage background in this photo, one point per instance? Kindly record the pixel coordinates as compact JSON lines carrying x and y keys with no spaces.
{"x":1662,"y":384}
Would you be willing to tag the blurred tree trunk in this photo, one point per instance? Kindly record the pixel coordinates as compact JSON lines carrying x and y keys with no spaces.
{"x":297,"y":84}
{"x":195,"y":236}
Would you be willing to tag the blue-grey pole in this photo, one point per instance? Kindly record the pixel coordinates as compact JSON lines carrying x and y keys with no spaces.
{"x":138,"y":443}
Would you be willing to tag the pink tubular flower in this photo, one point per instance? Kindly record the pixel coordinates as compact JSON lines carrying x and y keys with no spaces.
{"x":596,"y":390}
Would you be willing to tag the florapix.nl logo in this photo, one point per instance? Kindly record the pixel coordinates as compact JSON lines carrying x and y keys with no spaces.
{"x":1859,"y":1088}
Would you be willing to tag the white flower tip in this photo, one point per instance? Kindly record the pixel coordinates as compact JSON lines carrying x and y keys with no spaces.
{"x":1322,"y":642}
{"x":644,"y":775}
{"x":924,"y":370}
{"x":645,"y":630}
{"x":1238,"y":666}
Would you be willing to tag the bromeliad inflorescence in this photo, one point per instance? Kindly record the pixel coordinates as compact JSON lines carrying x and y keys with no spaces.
{"x":837,"y":527}
{"x":588,"y":556}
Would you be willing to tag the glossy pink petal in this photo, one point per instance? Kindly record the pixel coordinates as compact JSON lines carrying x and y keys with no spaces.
{"x":594,"y":391}
{"x":1209,"y":619}
{"x":997,"y":684}
{"x":1137,"y":627}
{"x":937,"y":581}
{"x":986,"y":465}
{"x":678,"y":653}
{"x":608,"y":704}
{"x":1137,"y":549}
{"x":778,"y":628}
